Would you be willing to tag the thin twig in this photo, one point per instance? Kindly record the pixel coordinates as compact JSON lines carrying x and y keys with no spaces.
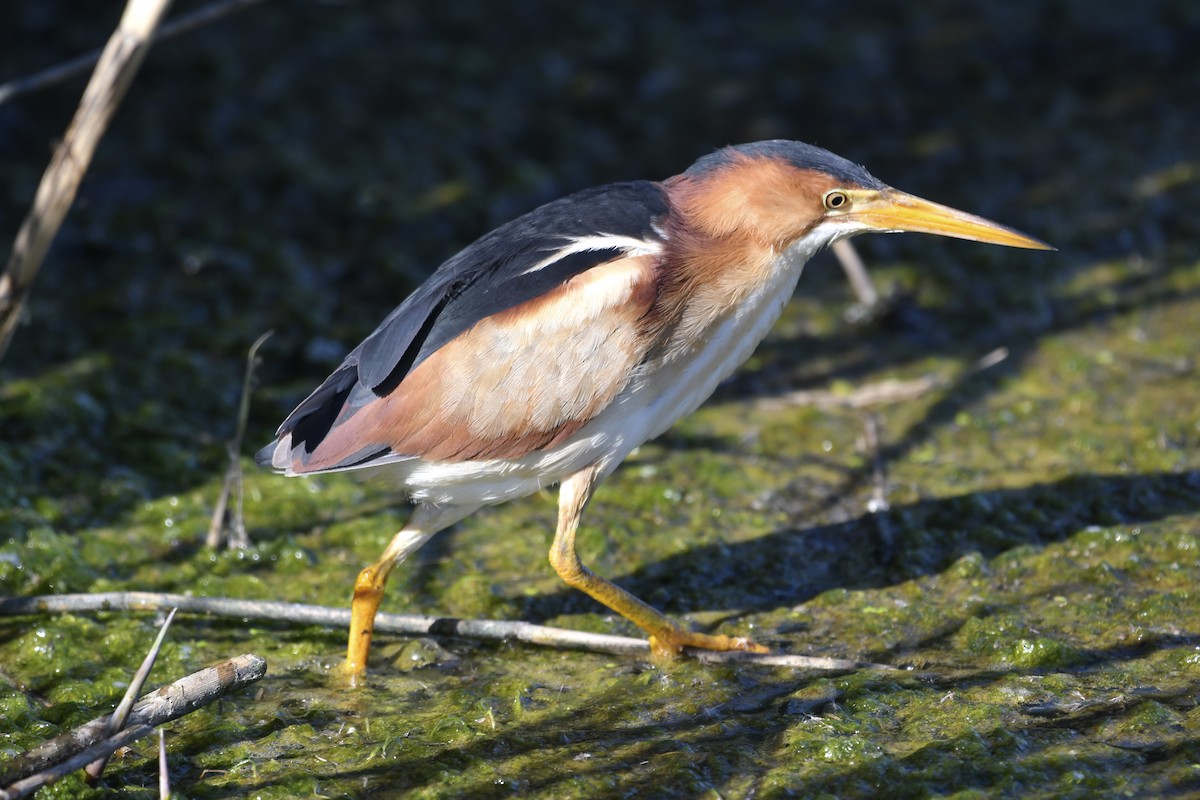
{"x":119,"y":717}
{"x":238,"y":538}
{"x":164,"y":779}
{"x":881,"y":393}
{"x":816,"y":663}
{"x":117,"y":65}
{"x":856,"y":273}
{"x":77,"y":66}
{"x":408,"y":624}
{"x":163,"y":705}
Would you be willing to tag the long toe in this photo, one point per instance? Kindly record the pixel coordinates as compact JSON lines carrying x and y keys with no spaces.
{"x":669,"y":644}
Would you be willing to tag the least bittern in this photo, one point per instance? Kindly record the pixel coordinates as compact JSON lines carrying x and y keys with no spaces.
{"x":553,"y":346}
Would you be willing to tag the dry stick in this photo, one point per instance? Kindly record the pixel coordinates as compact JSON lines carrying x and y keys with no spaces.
{"x":118,"y":63}
{"x":101,"y":749}
{"x":410,"y":624}
{"x":119,"y":717}
{"x":76,"y":66}
{"x":238,"y":538}
{"x":856,"y":273}
{"x":881,"y":393}
{"x":163,"y":705}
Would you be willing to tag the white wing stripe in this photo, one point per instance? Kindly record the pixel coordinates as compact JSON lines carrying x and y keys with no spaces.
{"x":603,"y":241}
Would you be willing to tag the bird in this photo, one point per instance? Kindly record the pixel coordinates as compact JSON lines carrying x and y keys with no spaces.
{"x":549,"y":349}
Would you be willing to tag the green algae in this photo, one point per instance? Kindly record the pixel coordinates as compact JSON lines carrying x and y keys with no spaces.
{"x":1053,"y":635}
{"x":1032,"y":576}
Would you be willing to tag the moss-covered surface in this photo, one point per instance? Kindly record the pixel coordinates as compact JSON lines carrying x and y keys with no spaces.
{"x":299,"y":166}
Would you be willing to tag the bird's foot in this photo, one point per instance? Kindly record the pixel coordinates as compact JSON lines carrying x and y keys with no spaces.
{"x":669,"y":644}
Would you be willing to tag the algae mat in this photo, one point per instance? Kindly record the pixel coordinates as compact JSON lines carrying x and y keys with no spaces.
{"x":1031,"y":569}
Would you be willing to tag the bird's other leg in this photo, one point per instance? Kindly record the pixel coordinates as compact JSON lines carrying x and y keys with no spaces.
{"x":425,"y":521}
{"x":667,"y":638}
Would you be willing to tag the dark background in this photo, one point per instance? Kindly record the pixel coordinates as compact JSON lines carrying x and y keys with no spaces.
{"x":299,"y":166}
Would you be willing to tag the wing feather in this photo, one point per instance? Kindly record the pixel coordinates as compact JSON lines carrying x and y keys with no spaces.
{"x":518,"y":381}
{"x":540,"y":263}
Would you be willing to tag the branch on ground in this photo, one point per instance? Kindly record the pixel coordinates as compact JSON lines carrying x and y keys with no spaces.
{"x":409,"y":624}
{"x":77,"y":748}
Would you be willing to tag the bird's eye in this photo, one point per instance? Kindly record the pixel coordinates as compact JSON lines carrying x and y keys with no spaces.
{"x":835,"y":200}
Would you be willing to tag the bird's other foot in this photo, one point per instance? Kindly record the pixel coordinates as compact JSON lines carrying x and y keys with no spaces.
{"x":669,"y":644}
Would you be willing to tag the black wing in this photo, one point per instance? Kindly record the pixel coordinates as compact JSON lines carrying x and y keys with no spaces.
{"x":511,"y":265}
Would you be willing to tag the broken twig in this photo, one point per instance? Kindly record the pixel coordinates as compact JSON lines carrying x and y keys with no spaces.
{"x":102,"y":749}
{"x":82,"y":745}
{"x":119,"y":717}
{"x":238,"y":538}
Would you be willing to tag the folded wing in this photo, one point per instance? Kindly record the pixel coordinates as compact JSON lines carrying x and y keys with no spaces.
{"x":510,"y":347}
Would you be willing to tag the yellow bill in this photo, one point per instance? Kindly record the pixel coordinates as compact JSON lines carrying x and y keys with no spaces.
{"x":890,"y":210}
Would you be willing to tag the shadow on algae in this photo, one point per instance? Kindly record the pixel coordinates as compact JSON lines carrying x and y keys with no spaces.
{"x":1022,"y":547}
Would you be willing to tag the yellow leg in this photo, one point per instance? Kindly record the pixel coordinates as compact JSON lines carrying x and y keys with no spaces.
{"x":425,"y":521}
{"x":667,"y":638}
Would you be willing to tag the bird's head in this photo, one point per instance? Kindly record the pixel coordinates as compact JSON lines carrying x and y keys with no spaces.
{"x":782,"y":192}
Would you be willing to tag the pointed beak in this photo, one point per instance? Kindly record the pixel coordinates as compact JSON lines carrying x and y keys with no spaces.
{"x":891,"y":210}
